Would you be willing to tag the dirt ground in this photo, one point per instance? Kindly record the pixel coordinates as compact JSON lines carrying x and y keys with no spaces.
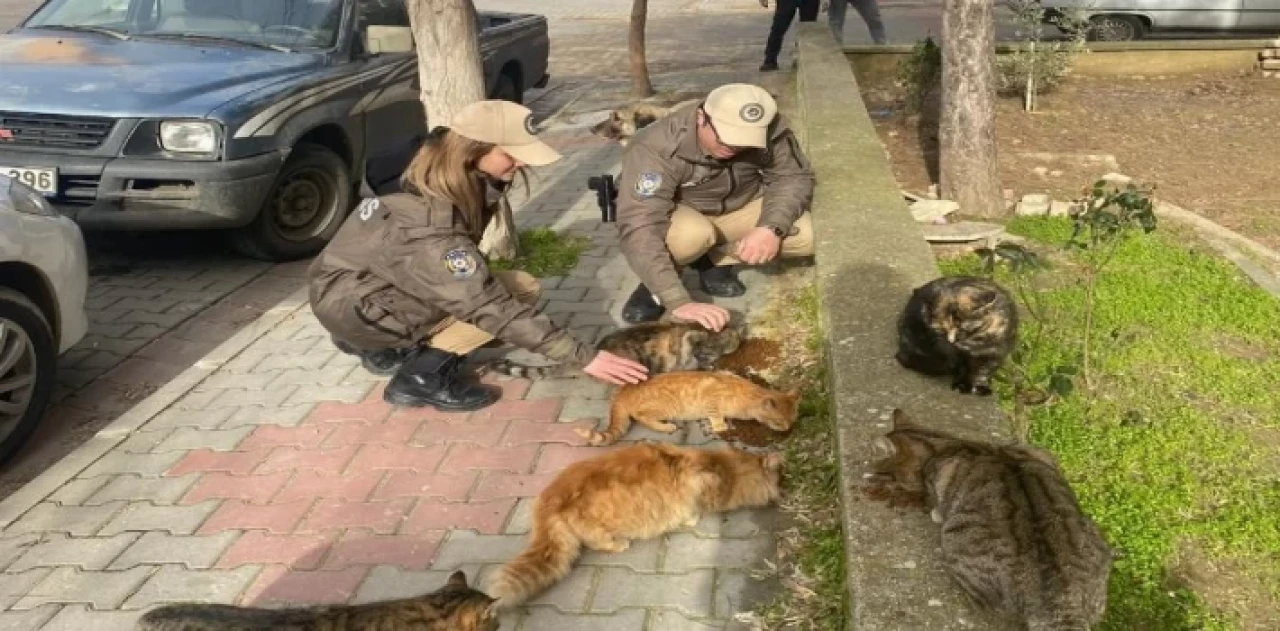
{"x":1210,"y":144}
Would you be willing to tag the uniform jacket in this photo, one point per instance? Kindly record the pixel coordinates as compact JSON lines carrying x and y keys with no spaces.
{"x":664,"y":166}
{"x":401,"y":264}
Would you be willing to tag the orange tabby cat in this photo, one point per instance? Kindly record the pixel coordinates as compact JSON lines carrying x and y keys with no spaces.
{"x":692,"y":396}
{"x":635,"y":492}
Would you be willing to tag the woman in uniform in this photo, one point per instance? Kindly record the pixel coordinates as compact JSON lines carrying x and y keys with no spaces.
{"x":404,"y":286}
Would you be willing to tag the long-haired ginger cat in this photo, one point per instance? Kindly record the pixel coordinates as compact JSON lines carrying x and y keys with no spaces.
{"x":636,"y":492}
{"x":692,"y":396}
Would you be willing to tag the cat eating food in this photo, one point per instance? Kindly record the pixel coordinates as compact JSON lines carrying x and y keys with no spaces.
{"x":1014,"y":537}
{"x":692,"y":396}
{"x":636,"y":492}
{"x":963,"y":326}
{"x":453,"y":607}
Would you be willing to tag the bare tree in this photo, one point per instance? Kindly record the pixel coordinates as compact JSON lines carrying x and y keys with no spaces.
{"x":968,"y":172}
{"x":446,"y":34}
{"x":641,"y":87}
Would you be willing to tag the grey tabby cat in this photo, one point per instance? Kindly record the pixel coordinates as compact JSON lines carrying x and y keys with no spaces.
{"x":453,"y":607}
{"x":963,"y":326}
{"x":1013,"y":535}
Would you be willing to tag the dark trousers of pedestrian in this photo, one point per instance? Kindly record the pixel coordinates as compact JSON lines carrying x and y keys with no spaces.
{"x":784,"y":11}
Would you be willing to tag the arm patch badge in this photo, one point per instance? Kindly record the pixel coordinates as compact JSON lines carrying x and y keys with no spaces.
{"x":647,"y":184}
{"x":460,"y":263}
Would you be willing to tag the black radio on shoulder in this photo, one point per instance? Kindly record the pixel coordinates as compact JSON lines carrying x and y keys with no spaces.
{"x":606,"y":196}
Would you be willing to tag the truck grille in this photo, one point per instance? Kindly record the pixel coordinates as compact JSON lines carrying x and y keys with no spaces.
{"x":53,"y":131}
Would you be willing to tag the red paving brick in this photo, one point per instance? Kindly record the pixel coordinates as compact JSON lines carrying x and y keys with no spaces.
{"x":546,"y":410}
{"x":380,"y":517}
{"x":254,"y":489}
{"x":556,"y":457}
{"x":278,"y":585}
{"x":487,"y":518}
{"x":514,"y":459}
{"x":395,"y":431}
{"x":452,"y":487}
{"x":204,"y":460}
{"x":235,"y":515}
{"x":322,"y":460}
{"x":495,"y":486}
{"x":377,"y":457}
{"x":522,"y":432}
{"x":299,"y":552}
{"x":307,"y":485}
{"x":483,"y":434}
{"x":429,"y":414}
{"x":369,"y":411}
{"x":411,"y":552}
{"x":303,"y":437}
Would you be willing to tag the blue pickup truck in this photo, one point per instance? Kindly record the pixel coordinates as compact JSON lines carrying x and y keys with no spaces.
{"x":252,"y":117}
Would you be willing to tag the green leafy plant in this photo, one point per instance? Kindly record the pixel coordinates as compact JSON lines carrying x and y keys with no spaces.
{"x":1036,"y":66}
{"x":545,"y":252}
{"x":920,"y":74}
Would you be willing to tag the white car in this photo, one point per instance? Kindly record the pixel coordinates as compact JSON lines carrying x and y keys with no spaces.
{"x":44,"y":275}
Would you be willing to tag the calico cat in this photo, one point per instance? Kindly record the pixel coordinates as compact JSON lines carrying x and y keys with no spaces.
{"x":964,"y":326}
{"x":660,"y":346}
{"x":636,"y":492}
{"x":1013,"y":535}
{"x":453,"y":607}
{"x":693,"y":396}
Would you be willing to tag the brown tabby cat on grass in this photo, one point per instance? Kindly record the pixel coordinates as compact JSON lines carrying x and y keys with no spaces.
{"x":963,"y":326}
{"x":453,"y":607}
{"x":636,"y":492}
{"x":660,"y":346}
{"x":692,"y":396}
{"x":1013,"y":534}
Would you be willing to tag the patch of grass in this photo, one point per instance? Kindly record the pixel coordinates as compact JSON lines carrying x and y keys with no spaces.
{"x":545,"y":253}
{"x":812,"y":549}
{"x":1161,"y":453}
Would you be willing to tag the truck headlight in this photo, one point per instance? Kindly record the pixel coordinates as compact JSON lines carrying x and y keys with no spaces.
{"x":189,"y":137}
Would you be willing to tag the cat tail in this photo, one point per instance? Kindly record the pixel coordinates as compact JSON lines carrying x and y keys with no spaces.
{"x":619,"y":423}
{"x":552,"y":549}
{"x":536,"y":373}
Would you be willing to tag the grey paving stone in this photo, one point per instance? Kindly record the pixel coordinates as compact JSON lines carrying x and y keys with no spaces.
{"x":465,"y":546}
{"x":303,"y":361}
{"x":519,"y":523}
{"x":549,"y":619}
{"x":145,"y":441}
{"x":101,"y":590}
{"x":198,"y":419}
{"x":146,"y":465}
{"x":231,"y":381}
{"x":13,"y":547}
{"x":249,"y":415}
{"x":86,"y":553}
{"x":131,"y":488}
{"x":569,"y":594}
{"x":667,"y":620}
{"x":80,"y":521}
{"x":234,"y":398}
{"x":689,"y":593}
{"x":173,"y":583}
{"x":30,"y":620}
{"x":577,"y":408}
{"x":737,"y":591}
{"x":81,"y":618}
{"x":347,"y":393}
{"x":188,"y":439}
{"x":584,"y":388}
{"x":159,"y":548}
{"x":329,"y":376}
{"x":686,"y":552}
{"x":75,"y":492}
{"x":386,"y":582}
{"x":642,"y":556}
{"x":14,"y":586}
{"x":739,"y":523}
{"x":143,"y":516}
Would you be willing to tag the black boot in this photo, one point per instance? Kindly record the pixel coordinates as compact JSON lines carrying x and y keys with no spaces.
{"x":642,"y":306}
{"x":769,"y":65}
{"x":720,"y":282}
{"x":433,"y":378}
{"x":381,"y":362}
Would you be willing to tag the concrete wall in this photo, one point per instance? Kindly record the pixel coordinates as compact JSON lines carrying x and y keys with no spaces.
{"x":870,"y":255}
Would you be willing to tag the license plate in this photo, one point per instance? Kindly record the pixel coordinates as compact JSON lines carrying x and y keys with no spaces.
{"x":44,"y":181}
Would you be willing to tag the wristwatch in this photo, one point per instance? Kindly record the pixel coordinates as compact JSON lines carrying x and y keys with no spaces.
{"x":777,"y":231}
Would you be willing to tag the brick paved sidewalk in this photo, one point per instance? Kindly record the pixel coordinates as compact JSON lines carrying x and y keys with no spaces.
{"x":276,"y":474}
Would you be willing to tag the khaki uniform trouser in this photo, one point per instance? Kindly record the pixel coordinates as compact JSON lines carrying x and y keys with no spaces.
{"x":693,"y":234}
{"x":461,"y":338}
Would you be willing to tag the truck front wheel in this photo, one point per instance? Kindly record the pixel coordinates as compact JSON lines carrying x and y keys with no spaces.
{"x":304,"y":209}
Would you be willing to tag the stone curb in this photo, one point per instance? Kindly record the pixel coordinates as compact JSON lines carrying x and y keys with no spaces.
{"x":107,"y":438}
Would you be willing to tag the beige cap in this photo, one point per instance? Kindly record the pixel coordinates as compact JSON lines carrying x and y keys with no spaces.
{"x":741,"y":113}
{"x":507,"y":125}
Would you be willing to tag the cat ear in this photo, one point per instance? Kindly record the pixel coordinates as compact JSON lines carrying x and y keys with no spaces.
{"x":458,"y":579}
{"x":901,"y":420}
{"x":884,"y":447}
{"x":771,"y":403}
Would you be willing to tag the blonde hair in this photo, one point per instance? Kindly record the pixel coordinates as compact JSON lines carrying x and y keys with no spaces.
{"x":445,"y":168}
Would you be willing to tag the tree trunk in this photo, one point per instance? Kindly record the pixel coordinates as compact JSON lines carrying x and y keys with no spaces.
{"x":452,"y":76}
{"x":641,"y":87}
{"x":967,"y":128}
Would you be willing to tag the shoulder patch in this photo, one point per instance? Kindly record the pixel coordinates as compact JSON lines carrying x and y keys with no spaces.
{"x":367,"y":207}
{"x":647,"y":184}
{"x":460,"y":263}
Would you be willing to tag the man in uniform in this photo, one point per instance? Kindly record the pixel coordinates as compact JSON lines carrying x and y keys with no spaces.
{"x":711,"y":185}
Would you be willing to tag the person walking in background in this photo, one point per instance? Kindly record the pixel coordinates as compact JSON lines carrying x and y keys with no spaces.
{"x":783,"y":12}
{"x":868,"y":9}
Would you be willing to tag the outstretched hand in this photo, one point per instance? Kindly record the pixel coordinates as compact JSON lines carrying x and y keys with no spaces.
{"x":760,"y":246}
{"x":710,"y":316}
{"x":616,"y":370}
